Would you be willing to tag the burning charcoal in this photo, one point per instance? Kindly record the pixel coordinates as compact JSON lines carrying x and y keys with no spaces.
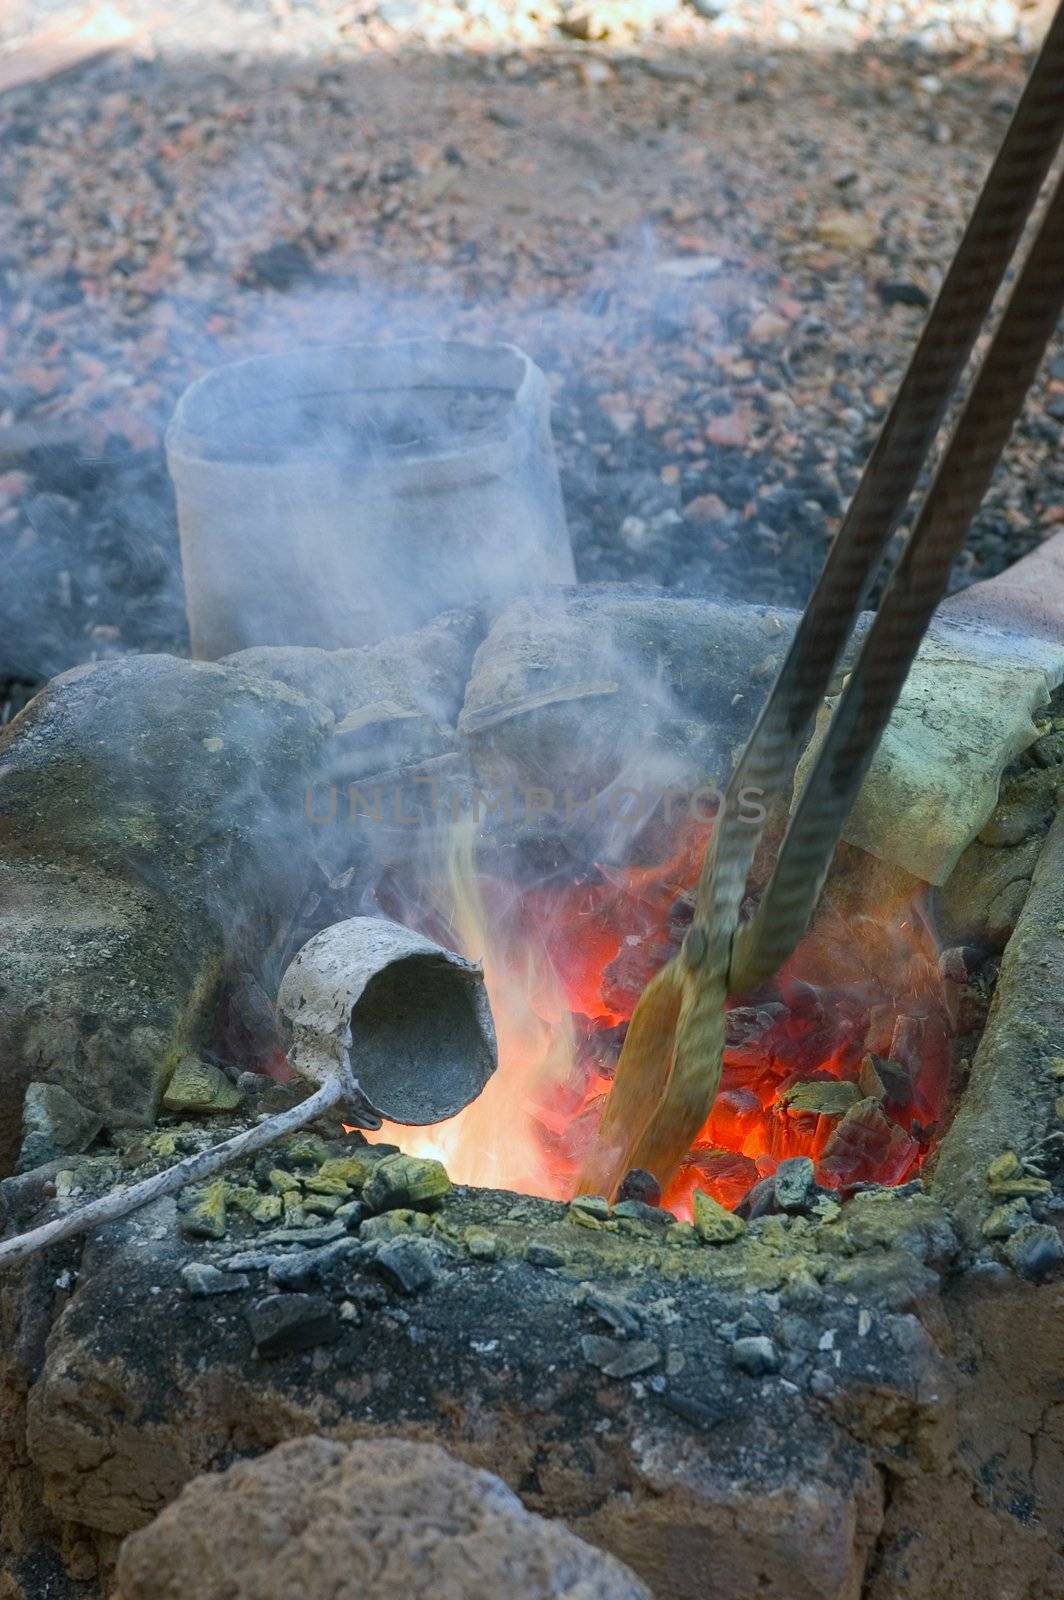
{"x":641,"y":1186}
{"x":713,"y":1223}
{"x":409,"y":1265}
{"x":906,"y":1044}
{"x":724,"y":1174}
{"x":760,"y":1201}
{"x":793,"y":1183}
{"x":823,"y":1097}
{"x":400,"y":1181}
{"x":866,"y":1148}
{"x":756,"y":1355}
{"x":617,"y":1359}
{"x":200,"y":1088}
{"x":1034,"y":1250}
{"x":53,"y":1124}
{"x":202,"y":1280}
{"x":736,"y":1112}
{"x":745,"y":1030}
{"x":285,"y":1324}
{"x":952,"y":964}
{"x":895,"y":1081}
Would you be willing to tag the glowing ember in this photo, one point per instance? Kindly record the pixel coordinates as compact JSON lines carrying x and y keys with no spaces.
{"x":844,"y":1059}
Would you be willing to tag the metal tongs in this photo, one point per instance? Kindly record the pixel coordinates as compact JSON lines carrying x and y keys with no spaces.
{"x":670,"y":1066}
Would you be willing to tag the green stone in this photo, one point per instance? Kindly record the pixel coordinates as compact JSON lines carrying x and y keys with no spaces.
{"x":200,"y":1088}
{"x":282,"y":1182}
{"x":406,"y":1181}
{"x":714,"y":1223}
{"x":481,"y":1244}
{"x":206,"y":1219}
{"x":394,"y":1225}
{"x":306,"y":1150}
{"x":322,"y":1205}
{"x":583,"y":1206}
{"x":822,"y":1098}
{"x":268,"y":1208}
{"x":327,"y":1185}
{"x":1007,"y":1165}
{"x":352,"y":1170}
{"x":1013,"y":1188}
{"x":1005,"y":1219}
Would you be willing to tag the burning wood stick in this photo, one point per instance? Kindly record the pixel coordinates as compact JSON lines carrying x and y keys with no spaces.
{"x":672,"y":1057}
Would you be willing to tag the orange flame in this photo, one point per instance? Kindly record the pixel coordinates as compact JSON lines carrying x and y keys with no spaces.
{"x":564,"y":965}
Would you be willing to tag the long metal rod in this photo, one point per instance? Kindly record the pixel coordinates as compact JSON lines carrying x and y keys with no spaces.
{"x":917,"y":585}
{"x":890,"y":475}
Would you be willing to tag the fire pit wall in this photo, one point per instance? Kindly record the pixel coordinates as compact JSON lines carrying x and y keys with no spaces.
{"x":822,"y":1400}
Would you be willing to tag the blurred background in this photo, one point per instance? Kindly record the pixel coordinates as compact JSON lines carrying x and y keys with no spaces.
{"x":715,"y":224}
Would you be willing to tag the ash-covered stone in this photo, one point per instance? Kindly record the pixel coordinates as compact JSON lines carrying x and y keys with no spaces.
{"x":409,"y":1264}
{"x":206,"y":1217}
{"x":394,"y":1225}
{"x":406,"y":1181}
{"x":794,"y":1183}
{"x":305,"y":1269}
{"x":54,"y":1124}
{"x":756,"y":1355}
{"x":618,"y":1314}
{"x":201,"y":1280}
{"x":617,"y":1358}
{"x":584,"y":1208}
{"x":540,"y":1254}
{"x":647,"y":1216}
{"x":1034,"y":1250}
{"x":284,"y":1324}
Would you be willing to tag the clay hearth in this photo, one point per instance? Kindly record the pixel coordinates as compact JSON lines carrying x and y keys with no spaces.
{"x":834,"y":1396}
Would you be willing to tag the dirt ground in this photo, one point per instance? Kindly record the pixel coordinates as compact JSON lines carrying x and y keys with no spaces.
{"x":716,"y":229}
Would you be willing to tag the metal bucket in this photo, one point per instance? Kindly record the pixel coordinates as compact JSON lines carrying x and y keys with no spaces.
{"x":334,"y":497}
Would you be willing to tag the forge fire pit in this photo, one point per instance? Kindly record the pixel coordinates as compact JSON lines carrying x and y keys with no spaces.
{"x":829,"y":1368}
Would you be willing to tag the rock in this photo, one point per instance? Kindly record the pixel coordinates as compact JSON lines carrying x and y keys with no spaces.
{"x":412,"y":1181}
{"x":713,"y":1222}
{"x":409,"y":1265}
{"x":618,"y":1314}
{"x":794,"y":1183}
{"x":131,"y":792}
{"x":575,"y":688}
{"x":481,"y":1244}
{"x":729,"y":432}
{"x":756,"y":1355}
{"x":201,"y":1088}
{"x":593,"y":1206}
{"x":847,"y":230}
{"x":394,"y":1225}
{"x":285,"y":1324}
{"x":304,"y":1518}
{"x":638,"y":1211}
{"x":306,"y":1268}
{"x":965,"y":712}
{"x":54,"y":1124}
{"x":1034,"y":1250}
{"x":544,"y":1255}
{"x":201,"y":1280}
{"x":205,"y":1219}
{"x":1004,"y":1220}
{"x":641,"y":1186}
{"x":616,"y":1358}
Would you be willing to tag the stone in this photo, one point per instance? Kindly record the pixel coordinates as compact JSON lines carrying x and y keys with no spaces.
{"x":1004,"y":1220}
{"x":394,"y":1225}
{"x":303,"y":1269}
{"x":201,"y":1280}
{"x":640,"y":1185}
{"x":617,"y":1358}
{"x":117,"y":824}
{"x":794,"y":1183}
{"x":847,"y":230}
{"x":1007,"y":1165}
{"x":205,"y":1218}
{"x":646,"y":1216}
{"x":352,"y":1170}
{"x":714,"y":1223}
{"x":409,"y":1265}
{"x":201,"y":1088}
{"x":965,"y":712}
{"x":304,"y":1518}
{"x":756,"y":1355}
{"x":413,"y":1181}
{"x":1034,"y":1250}
{"x":481,"y":1244}
{"x":285,"y":1324}
{"x":589,"y":1206}
{"x":54,"y":1124}
{"x":618,"y":1314}
{"x":538,"y":1254}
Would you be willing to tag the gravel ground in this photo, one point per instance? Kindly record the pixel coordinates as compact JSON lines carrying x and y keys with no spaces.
{"x":716,"y":232}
